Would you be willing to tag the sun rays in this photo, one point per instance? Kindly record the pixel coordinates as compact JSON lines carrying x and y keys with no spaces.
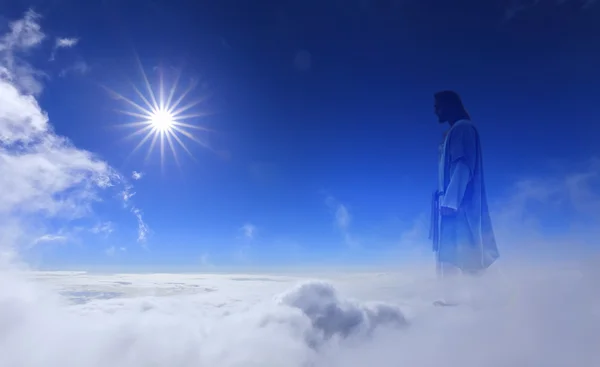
{"x":162,"y":120}
{"x":162,"y":117}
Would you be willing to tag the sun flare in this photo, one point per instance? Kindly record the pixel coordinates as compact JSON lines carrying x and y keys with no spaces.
{"x":162,"y":120}
{"x":163,"y":117}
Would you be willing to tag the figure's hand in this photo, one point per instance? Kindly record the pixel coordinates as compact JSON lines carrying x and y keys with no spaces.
{"x":445,"y":211}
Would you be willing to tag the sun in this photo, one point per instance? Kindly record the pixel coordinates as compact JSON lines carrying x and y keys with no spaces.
{"x":162,"y":120}
{"x":163,"y":117}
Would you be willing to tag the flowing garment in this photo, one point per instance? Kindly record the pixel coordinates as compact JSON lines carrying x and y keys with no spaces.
{"x":465,"y":239}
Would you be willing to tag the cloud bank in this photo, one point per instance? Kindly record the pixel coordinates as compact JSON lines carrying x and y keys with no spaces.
{"x":537,"y":316}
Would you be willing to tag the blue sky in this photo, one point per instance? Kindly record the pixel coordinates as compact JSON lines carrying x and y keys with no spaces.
{"x":324,"y":143}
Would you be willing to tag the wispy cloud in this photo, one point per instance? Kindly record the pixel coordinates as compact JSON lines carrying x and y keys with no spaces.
{"x":524,"y":216}
{"x":136,"y":175}
{"x":63,"y":42}
{"x":342,"y":219}
{"x":248,"y":230}
{"x":143,"y":228}
{"x":50,"y":238}
{"x":552,"y":214}
{"x":38,"y":166}
{"x":104,"y":228}
{"x":127,"y":194}
{"x":79,"y":67}
{"x":114,"y":250}
{"x":24,"y":35}
{"x":66,"y":42}
{"x":43,"y":174}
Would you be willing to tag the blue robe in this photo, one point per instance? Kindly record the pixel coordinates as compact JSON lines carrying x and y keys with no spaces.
{"x":466,"y":239}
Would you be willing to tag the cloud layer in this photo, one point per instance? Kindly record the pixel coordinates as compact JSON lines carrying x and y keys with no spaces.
{"x":535,"y":316}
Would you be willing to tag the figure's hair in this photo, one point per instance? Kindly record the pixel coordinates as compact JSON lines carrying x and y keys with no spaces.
{"x":452,"y":100}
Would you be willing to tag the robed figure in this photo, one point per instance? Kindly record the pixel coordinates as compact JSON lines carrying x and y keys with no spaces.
{"x":462,"y":233}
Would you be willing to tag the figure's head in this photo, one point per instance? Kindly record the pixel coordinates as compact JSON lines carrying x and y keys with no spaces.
{"x":448,"y":107}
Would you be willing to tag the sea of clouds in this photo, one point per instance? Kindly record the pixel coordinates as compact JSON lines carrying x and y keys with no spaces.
{"x":545,"y":313}
{"x":547,"y":316}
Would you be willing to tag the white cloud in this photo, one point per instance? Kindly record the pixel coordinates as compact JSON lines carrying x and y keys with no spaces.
{"x":127,"y":194}
{"x":104,"y":228}
{"x":49,"y":175}
{"x":63,"y":42}
{"x":540,"y":315}
{"x":43,"y":175}
{"x":50,"y":238}
{"x":42,"y":172}
{"x":137,"y":175}
{"x":143,"y":229}
{"x":66,"y":42}
{"x":24,"y":34}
